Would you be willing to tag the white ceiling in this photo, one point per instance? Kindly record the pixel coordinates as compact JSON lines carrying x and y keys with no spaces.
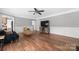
{"x":23,"y":12}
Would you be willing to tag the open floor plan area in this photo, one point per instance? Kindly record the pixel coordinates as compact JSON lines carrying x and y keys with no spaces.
{"x":39,"y":29}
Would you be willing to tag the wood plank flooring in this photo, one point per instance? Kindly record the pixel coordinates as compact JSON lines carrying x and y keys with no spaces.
{"x":43,"y":42}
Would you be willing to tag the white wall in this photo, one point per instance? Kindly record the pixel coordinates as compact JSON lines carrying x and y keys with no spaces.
{"x":37,"y":24}
{"x":66,"y":31}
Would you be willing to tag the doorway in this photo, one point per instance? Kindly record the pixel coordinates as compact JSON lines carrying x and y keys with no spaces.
{"x":10,"y":24}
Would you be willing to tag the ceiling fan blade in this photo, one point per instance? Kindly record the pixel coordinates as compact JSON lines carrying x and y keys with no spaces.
{"x":31,"y":11}
{"x":41,"y":11}
{"x":35,"y":9}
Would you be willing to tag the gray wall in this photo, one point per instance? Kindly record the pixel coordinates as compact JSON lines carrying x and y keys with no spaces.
{"x":22,"y":21}
{"x":19,"y":23}
{"x":66,"y":20}
{"x":66,"y":24}
{"x":0,"y":24}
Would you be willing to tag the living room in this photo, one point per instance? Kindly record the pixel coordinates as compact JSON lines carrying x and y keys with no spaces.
{"x":39,"y":29}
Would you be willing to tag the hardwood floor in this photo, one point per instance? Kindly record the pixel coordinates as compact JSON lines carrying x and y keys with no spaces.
{"x":43,"y":42}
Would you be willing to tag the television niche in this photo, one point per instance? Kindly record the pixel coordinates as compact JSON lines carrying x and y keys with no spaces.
{"x":44,"y":27}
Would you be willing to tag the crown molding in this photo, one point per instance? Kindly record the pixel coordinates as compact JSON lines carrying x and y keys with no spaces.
{"x":61,"y":13}
{"x":57,"y":14}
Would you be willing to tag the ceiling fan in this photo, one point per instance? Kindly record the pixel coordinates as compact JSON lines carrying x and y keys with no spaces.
{"x":37,"y":11}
